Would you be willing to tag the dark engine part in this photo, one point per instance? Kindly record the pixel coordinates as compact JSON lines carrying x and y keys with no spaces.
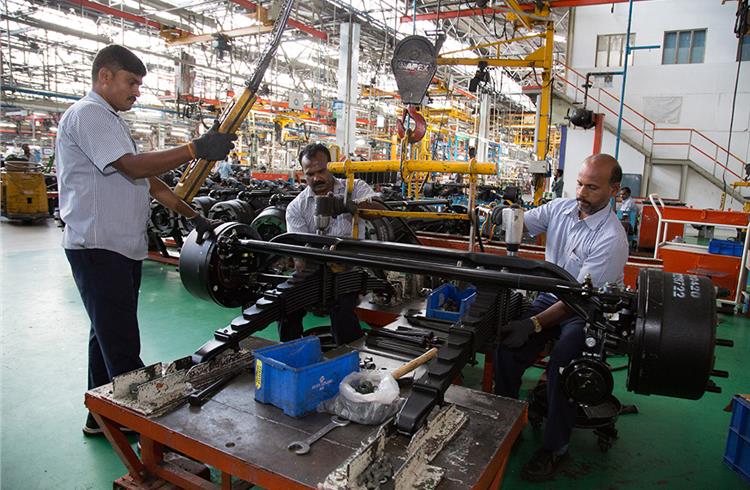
{"x":644,"y":325}
{"x":216,"y":272}
{"x":587,"y":381}
{"x":162,"y":220}
{"x":270,"y":222}
{"x":203,"y":204}
{"x":671,"y":354}
{"x":235,"y":210}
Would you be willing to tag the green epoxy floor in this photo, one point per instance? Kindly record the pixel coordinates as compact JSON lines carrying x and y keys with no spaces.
{"x":670,"y":444}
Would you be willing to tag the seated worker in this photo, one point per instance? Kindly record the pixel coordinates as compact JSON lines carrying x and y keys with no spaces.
{"x":300,"y":218}
{"x":627,"y":201}
{"x":584,"y":237}
{"x":628,"y":215}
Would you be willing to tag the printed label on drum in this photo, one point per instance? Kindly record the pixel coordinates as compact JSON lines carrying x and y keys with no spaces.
{"x":682,"y":288}
{"x":258,"y":373}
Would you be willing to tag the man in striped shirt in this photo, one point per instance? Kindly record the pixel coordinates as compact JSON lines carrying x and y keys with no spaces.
{"x":105,"y":191}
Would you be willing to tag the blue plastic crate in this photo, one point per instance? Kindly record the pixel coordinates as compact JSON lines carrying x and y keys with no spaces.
{"x":295,"y":376}
{"x":440,"y":295}
{"x":737,"y":454}
{"x":725,"y":247}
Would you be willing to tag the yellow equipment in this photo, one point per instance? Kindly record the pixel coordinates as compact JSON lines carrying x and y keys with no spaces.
{"x":235,"y":113}
{"x":23,"y":193}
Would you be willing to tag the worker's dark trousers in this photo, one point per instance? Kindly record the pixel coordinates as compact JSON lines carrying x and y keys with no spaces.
{"x":344,"y":323}
{"x":511,"y":364}
{"x":109,"y":283}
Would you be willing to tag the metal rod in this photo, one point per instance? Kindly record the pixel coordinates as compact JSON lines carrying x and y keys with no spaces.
{"x":414,"y":265}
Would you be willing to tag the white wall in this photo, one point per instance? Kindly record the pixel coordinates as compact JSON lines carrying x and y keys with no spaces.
{"x":665,"y":179}
{"x":580,"y":144}
{"x":705,"y":89}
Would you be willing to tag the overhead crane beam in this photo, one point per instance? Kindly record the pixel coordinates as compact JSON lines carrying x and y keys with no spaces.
{"x":527,"y":7}
{"x":524,"y":63}
{"x":513,"y":4}
{"x":239,"y":32}
{"x":262,"y":11}
{"x":492,"y":44}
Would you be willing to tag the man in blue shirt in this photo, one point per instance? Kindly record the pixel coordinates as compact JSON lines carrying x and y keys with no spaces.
{"x":585,"y":238}
{"x":106,"y":188}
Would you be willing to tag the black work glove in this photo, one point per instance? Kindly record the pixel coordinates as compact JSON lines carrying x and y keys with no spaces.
{"x":204,"y":227}
{"x":339,"y":207}
{"x":497,"y":215}
{"x":518,"y":333}
{"x":213,"y":145}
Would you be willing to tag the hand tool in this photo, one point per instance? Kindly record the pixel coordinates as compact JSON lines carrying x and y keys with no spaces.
{"x":303,"y":447}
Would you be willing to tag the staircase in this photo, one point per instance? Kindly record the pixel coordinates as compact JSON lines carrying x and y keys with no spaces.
{"x":660,"y":145}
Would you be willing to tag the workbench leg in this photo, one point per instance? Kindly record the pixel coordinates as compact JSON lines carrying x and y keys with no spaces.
{"x":498,"y":480}
{"x":121,"y":445}
{"x":488,"y":374}
{"x":152,"y":453}
{"x":226,"y":481}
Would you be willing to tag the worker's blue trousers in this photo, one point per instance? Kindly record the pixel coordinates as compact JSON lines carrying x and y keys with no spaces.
{"x":108,"y":283}
{"x":511,"y":364}
{"x":344,"y":323}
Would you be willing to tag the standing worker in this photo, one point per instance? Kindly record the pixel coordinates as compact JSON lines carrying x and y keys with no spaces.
{"x":585,"y":238}
{"x":300,"y":218}
{"x":106,"y":188}
{"x":225,"y":169}
{"x":557,"y":185}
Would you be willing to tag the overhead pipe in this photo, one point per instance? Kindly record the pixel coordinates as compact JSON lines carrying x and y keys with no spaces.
{"x":127,"y":16}
{"x":45,"y":93}
{"x":628,"y":49}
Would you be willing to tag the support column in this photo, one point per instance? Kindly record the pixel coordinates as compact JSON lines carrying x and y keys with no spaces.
{"x":545,"y":109}
{"x":484,"y":127}
{"x":646,"y":181}
{"x":683,"y":182}
{"x":346,"y":116}
{"x":598,"y":133}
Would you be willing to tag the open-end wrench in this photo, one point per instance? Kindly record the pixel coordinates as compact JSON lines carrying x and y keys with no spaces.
{"x":303,"y":447}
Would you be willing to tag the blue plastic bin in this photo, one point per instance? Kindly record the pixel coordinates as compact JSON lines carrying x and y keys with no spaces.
{"x":737,"y":454}
{"x":440,"y":295}
{"x":725,"y":247}
{"x":295,"y":376}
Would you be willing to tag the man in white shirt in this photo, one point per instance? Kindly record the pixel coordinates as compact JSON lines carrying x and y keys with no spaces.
{"x":627,"y":201}
{"x":300,"y":218}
